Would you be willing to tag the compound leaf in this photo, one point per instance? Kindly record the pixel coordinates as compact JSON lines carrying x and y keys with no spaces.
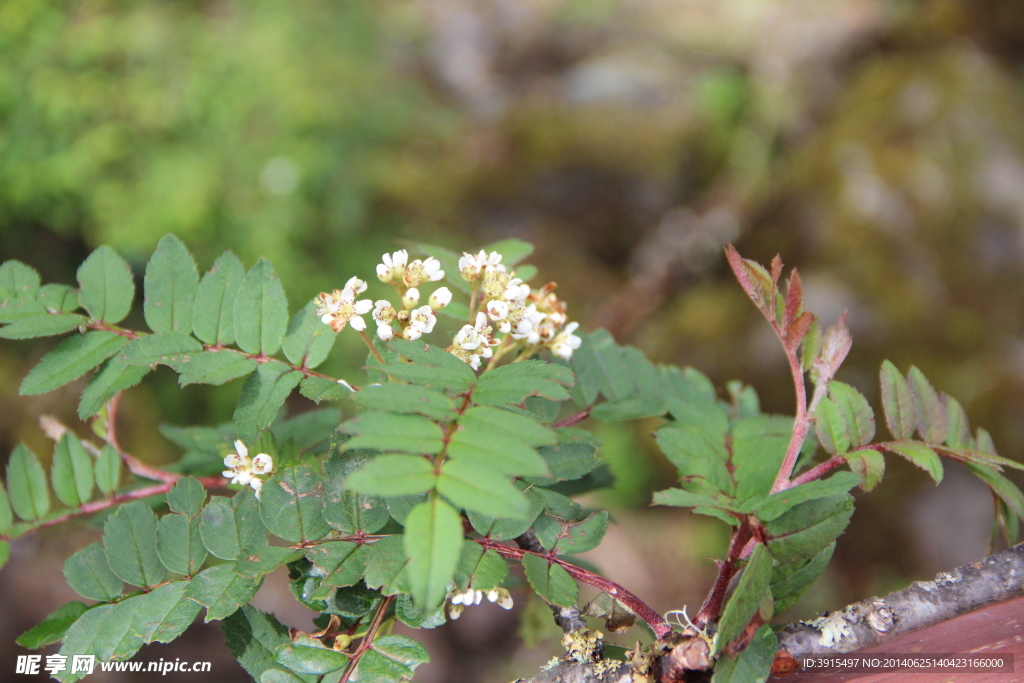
{"x":69,"y":360}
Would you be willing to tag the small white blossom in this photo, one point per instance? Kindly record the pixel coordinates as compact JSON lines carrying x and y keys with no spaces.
{"x":356,"y":285}
{"x":500,"y":596}
{"x":385,"y":332}
{"x":262,"y":464}
{"x":441,"y":297}
{"x":383,"y":312}
{"x":471,"y":265}
{"x":411,"y":299}
{"x":423,"y":318}
{"x":340,"y":308}
{"x":565,"y":342}
{"x":432,"y":270}
{"x":455,"y":611}
{"x":497,"y":309}
{"x":257,"y":486}
{"x":412,"y":333}
{"x":384,"y":274}
{"x":517,"y":290}
{"x":418,"y":272}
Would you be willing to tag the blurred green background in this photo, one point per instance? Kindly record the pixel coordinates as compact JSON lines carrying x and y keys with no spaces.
{"x":876,"y":144}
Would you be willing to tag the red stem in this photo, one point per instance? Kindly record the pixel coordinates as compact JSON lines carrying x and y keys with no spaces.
{"x":657,"y":623}
{"x":712,"y":607}
{"x":800,"y":422}
{"x":819,"y":470}
{"x":573,"y":419}
{"x":367,"y":641}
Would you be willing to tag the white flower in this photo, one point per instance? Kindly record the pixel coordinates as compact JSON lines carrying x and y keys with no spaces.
{"x":262,"y":464}
{"x":500,"y":596}
{"x":383,"y":312}
{"x":356,"y":285}
{"x":441,"y":297}
{"x":411,"y":298}
{"x":565,"y":342}
{"x":384,"y":274}
{"x":497,"y":309}
{"x":385,"y":332}
{"x":432,"y":270}
{"x":517,"y":290}
{"x":340,"y":308}
{"x":393,"y":265}
{"x":423,"y":318}
{"x":455,"y":611}
{"x":471,"y":265}
{"x":257,"y":486}
{"x":412,"y":333}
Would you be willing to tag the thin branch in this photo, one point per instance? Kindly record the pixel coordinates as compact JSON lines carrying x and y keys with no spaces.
{"x":657,"y":623}
{"x":819,"y":470}
{"x":801,"y":421}
{"x":106,"y":503}
{"x":367,"y":641}
{"x":573,"y":419}
{"x":712,"y":607}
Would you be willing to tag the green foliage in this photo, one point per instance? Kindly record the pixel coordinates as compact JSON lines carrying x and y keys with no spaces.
{"x":400,"y":502}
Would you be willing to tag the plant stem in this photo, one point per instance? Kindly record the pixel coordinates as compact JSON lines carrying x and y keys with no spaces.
{"x":800,"y":422}
{"x":573,"y":419}
{"x":712,"y":607}
{"x":657,"y":623}
{"x":364,"y":644}
{"x":373,"y":349}
{"x":819,"y":470}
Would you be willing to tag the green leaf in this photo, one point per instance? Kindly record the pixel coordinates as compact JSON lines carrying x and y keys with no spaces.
{"x":308,"y":341}
{"x":261,"y":311}
{"x":85,"y":637}
{"x":5,"y":553}
{"x":179,"y":545}
{"x":1001,"y":487}
{"x":171,"y":283}
{"x":693,"y":499}
{"x":572,"y":457}
{"x":57,"y":298}
{"x":433,"y":540}
{"x":802,"y":532}
{"x":512,"y":250}
{"x":860,"y":419}
{"x":779,"y":503}
{"x":311,"y":431}
{"x":221,"y":591}
{"x":385,"y":566}
{"x":187,"y":496}
{"x":116,"y":376}
{"x":17,"y":279}
{"x":106,"y":286}
{"x":503,"y":440}
{"x":391,"y":659}
{"x":746,"y":598}
{"x":253,"y":638}
{"x":931,"y":414}
{"x":89,"y":574}
{"x":263,"y":394}
{"x":347,"y":510}
{"x":920,"y":455}
{"x":831,"y":428}
{"x":26,"y":483}
{"x":475,"y":486}
{"x":164,"y":613}
{"x":599,"y":366}
{"x":292,"y":505}
{"x":5,"y":510}
{"x":213,"y":367}
{"x":71,"y":471}
{"x":412,"y":617}
{"x":265,"y":560}
{"x":405,"y":433}
{"x":787,"y":591}
{"x":478,"y":568}
{"x":572,"y":537}
{"x":897,"y":402}
{"x":13,"y":310}
{"x":393,"y":475}
{"x":551,"y":581}
{"x":629,"y":408}
{"x":758,"y":447}
{"x":42,"y":325}
{"x":69,"y":360}
{"x":213,"y":316}
{"x":753,"y":665}
{"x":430,"y":365}
{"x":52,"y":629}
{"x":697,"y":453}
{"x":108,"y":470}
{"x":310,"y":656}
{"x":505,"y":529}
{"x":163,"y":347}
{"x":129,"y":539}
{"x":512,"y":384}
{"x":323,"y":389}
{"x":406,"y":398}
{"x":958,"y":429}
{"x":342,"y":563}
{"x":231,"y":526}
{"x":869,"y":466}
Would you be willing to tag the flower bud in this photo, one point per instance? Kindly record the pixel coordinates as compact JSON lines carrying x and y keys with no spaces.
{"x":441,"y":297}
{"x":411,"y":298}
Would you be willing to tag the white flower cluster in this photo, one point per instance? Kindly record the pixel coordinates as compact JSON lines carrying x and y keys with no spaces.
{"x":459,"y":601}
{"x":247,"y":471}
{"x":533,"y":318}
{"x":528,"y":319}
